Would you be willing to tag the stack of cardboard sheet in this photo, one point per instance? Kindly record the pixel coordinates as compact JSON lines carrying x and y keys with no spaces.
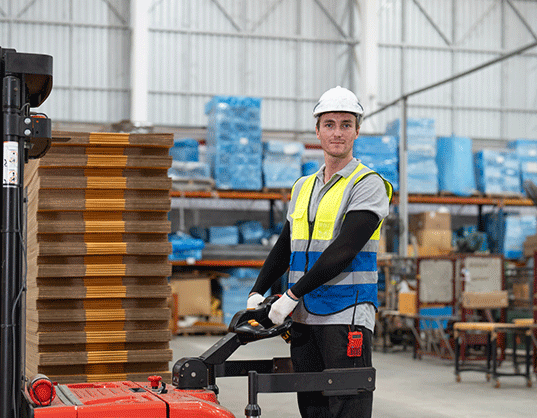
{"x":97,"y":251}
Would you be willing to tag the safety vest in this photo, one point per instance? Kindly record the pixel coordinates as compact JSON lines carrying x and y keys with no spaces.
{"x":358,"y":282}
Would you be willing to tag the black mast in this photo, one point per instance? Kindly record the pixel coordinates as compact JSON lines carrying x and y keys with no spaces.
{"x":26,"y":83}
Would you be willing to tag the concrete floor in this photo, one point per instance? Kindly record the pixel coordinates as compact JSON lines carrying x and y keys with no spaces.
{"x":405,"y":388}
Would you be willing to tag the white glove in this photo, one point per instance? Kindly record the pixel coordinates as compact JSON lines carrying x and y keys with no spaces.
{"x":254,"y":301}
{"x":282,"y":308}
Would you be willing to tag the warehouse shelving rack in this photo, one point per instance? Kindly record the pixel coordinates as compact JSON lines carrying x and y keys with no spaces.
{"x":284,"y":195}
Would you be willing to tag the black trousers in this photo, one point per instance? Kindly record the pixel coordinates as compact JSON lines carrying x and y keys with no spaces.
{"x":318,"y":347}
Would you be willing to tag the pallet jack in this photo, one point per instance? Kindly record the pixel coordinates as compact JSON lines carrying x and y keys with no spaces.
{"x":27,"y":82}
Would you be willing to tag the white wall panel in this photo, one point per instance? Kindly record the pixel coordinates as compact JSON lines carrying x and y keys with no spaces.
{"x":40,"y":10}
{"x":99,"y":12}
{"x":287,"y":52}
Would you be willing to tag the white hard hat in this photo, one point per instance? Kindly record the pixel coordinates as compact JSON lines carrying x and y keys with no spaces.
{"x":339,"y":99}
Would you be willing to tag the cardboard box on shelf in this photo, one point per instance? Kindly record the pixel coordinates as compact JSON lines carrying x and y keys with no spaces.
{"x":407,"y":303}
{"x":425,"y":251}
{"x":434,"y":238}
{"x":193,"y":296}
{"x":429,"y":220}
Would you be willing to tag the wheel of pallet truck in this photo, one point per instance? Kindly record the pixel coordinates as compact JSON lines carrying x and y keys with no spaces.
{"x":529,"y":383}
{"x":497,"y":383}
{"x":458,"y":378}
{"x":488,"y":377}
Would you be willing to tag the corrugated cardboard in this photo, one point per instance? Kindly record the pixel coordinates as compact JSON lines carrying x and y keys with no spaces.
{"x":407,"y":303}
{"x":429,"y":220}
{"x":435,"y":238}
{"x":193,"y":296}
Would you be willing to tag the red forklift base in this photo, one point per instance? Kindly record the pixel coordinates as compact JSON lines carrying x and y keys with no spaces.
{"x":126,"y":400}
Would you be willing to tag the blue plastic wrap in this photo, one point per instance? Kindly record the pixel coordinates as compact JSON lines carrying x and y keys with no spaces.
{"x":251,"y":232}
{"x":224,"y":235}
{"x":497,"y":172}
{"x":415,"y":127}
{"x":422,"y":174}
{"x":526,"y":148}
{"x":185,"y":246}
{"x":186,"y":149}
{"x":385,"y":144}
{"x":291,"y":148}
{"x":455,"y":165}
{"x":517,"y":229}
{"x":384,"y":164}
{"x":234,"y":149}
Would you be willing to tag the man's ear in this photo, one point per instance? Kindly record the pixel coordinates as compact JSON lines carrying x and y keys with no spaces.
{"x":317,"y":133}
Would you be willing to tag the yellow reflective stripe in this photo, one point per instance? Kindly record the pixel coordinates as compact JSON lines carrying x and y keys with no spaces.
{"x":329,"y":207}
{"x":376,"y":234}
{"x":300,"y":214}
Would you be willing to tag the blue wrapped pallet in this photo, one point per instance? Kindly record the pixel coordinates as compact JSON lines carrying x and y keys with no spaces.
{"x":223,"y":235}
{"x":234,"y":149}
{"x":497,"y":172}
{"x":238,"y":167}
{"x":517,"y":229}
{"x":185,"y":149}
{"x":422,"y":177}
{"x":524,"y":147}
{"x":526,"y":150}
{"x":251,"y":232}
{"x":185,"y":247}
{"x":415,"y":127}
{"x":422,"y":145}
{"x":455,"y":165}
{"x":282,"y":163}
{"x":385,"y":144}
{"x":384,"y":164}
{"x":380,"y":153}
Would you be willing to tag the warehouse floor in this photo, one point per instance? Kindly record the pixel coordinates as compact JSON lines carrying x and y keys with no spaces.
{"x":405,"y":388}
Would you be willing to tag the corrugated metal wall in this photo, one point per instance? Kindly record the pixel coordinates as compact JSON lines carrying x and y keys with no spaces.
{"x":287,"y":52}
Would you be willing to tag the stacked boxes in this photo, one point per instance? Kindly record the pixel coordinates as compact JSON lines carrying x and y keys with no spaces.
{"x":432,"y":231}
{"x":516,"y":229}
{"x":526,"y":151}
{"x":455,"y":165}
{"x":422,"y":170}
{"x":497,"y":172}
{"x":97,"y":240}
{"x":379,"y":153}
{"x":234,"y":149}
{"x":282,"y":163}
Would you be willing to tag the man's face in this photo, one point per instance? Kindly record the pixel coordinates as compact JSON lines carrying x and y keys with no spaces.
{"x":337,"y":132}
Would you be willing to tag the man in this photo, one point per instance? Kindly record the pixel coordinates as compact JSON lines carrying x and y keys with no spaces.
{"x":329,"y":244}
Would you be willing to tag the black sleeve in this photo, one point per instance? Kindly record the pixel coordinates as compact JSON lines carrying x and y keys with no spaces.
{"x":277,"y":262}
{"x":356,"y":230}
